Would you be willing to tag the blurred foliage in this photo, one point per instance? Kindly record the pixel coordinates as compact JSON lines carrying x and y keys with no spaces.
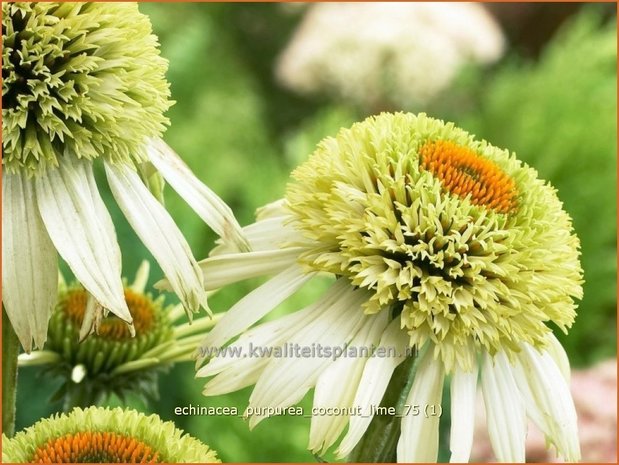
{"x":559,"y":116}
{"x":242,"y":134}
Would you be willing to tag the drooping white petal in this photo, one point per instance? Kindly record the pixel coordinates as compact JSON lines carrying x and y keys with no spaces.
{"x":374,"y":380}
{"x":239,"y":364}
{"x":212,"y":209}
{"x":266,"y":234}
{"x":557,"y":352}
{"x":549,"y":402}
{"x":82,"y":231}
{"x":29,"y":263}
{"x":256,"y":304}
{"x":157,"y":230}
{"x":222,"y":270}
{"x":506,"y":419}
{"x":268,"y":334}
{"x":419,"y":437}
{"x":93,"y":314}
{"x":337,"y":385}
{"x":286,"y":380}
{"x":244,"y":373}
{"x":274,"y":209}
{"x":463,"y":391}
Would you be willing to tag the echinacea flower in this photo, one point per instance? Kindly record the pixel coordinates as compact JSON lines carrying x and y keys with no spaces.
{"x":112,"y":361}
{"x":103,"y":435}
{"x":81,"y":82}
{"x":385,"y":54}
{"x":441,"y":245}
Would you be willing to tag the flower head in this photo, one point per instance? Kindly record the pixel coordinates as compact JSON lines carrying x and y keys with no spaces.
{"x":113,"y":360}
{"x":387,"y":54}
{"x":103,"y":435}
{"x":460,"y":237}
{"x":81,"y":82}
{"x":441,"y":245}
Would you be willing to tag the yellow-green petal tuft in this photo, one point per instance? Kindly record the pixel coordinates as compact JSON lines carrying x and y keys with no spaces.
{"x":103,"y":435}
{"x":458,"y":237}
{"x":80,"y":80}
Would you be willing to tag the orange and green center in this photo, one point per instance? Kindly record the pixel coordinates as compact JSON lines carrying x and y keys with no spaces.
{"x":464,"y":173}
{"x":95,"y":447}
{"x":140,"y":306}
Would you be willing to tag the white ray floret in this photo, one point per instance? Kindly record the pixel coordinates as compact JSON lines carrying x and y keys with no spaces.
{"x":286,"y":380}
{"x":29,"y":263}
{"x":374,"y":380}
{"x":463,"y":393}
{"x":336,"y":386}
{"x":257,"y":304}
{"x":203,"y":200}
{"x":419,"y":438}
{"x":82,"y":231}
{"x":153,"y":224}
{"x":505,"y":410}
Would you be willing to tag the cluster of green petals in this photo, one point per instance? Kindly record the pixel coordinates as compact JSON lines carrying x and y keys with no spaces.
{"x":80,"y":80}
{"x":170,"y":443}
{"x":461,"y":275}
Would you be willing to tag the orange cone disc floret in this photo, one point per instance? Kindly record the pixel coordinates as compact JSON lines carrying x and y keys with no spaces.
{"x":140,"y":306}
{"x":104,"y":435}
{"x":95,"y":447}
{"x":111,"y":345}
{"x":464,"y":173}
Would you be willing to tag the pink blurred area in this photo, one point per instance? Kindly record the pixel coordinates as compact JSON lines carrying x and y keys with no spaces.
{"x":595,"y":395}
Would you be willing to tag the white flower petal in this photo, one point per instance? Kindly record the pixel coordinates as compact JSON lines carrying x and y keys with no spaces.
{"x":556,"y":350}
{"x":222,"y":270}
{"x":337,"y":385}
{"x":286,"y":380}
{"x":273,"y":209}
{"x":419,"y":438}
{"x":82,"y":232}
{"x":29,"y":263}
{"x":374,"y":380}
{"x":255,"y":305}
{"x":93,"y":314}
{"x":548,"y":397}
{"x":506,"y":419}
{"x":240,"y":375}
{"x":154,"y":226}
{"x":212,"y":209}
{"x":238,"y":366}
{"x":266,"y":234}
{"x":463,"y":393}
{"x":268,"y":334}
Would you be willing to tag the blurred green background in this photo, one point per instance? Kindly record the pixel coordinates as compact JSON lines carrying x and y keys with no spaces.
{"x":551,"y":99}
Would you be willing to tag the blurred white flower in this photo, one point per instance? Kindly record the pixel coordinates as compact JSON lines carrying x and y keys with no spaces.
{"x":387,"y":54}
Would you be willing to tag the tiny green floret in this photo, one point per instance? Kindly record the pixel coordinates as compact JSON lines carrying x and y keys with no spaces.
{"x":80,"y":80}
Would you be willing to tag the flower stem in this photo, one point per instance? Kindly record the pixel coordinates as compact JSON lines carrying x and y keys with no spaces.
{"x":380,"y":441}
{"x":81,"y":395}
{"x":10,"y":351}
